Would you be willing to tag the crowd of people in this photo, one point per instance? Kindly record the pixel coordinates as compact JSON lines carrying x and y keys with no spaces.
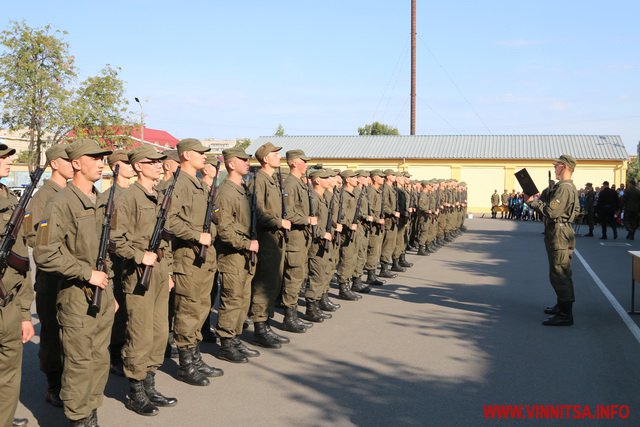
{"x":259,"y":240}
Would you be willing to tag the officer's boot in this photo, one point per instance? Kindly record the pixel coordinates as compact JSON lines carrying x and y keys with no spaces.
{"x":229,"y":352}
{"x":345,"y":292}
{"x":326,"y":304}
{"x":116,"y":365}
{"x":384,"y":271}
{"x":281,"y":339}
{"x":397,"y":267}
{"x":403,"y":261}
{"x":563,"y":318}
{"x":358,"y":286}
{"x":303,"y":288}
{"x":263,"y":338}
{"x":291,"y":323}
{"x":138,"y":401}
{"x":422,"y":251}
{"x":243,"y":349}
{"x":172,"y":350}
{"x":187,"y":371}
{"x":313,"y":313}
{"x":154,"y":395}
{"x":53,"y":389}
{"x":203,"y":368}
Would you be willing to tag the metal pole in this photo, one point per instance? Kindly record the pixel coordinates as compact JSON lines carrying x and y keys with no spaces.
{"x":141,"y":119}
{"x":413,"y":68}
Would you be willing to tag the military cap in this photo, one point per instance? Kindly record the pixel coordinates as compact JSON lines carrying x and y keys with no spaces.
{"x":238,"y":152}
{"x":464,"y":184}
{"x":296,"y":154}
{"x":319,"y":173}
{"x":347,"y":173}
{"x":406,"y":174}
{"x":145,"y":152}
{"x":376,"y":172}
{"x":424,"y":182}
{"x":588,"y":184}
{"x":390,"y":172}
{"x":56,"y":151}
{"x":567,"y":160}
{"x":361,"y":172}
{"x":317,"y":166}
{"x":212,"y":159}
{"x":85,"y":147}
{"x":118,"y":155}
{"x":333,"y":172}
{"x":264,"y":150}
{"x":5,"y":150}
{"x":191,"y":144}
{"x":172,"y":155}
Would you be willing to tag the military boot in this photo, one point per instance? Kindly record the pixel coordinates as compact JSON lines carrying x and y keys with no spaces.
{"x":53,"y":389}
{"x":187,"y":371}
{"x":291,"y":322}
{"x":563,"y":318}
{"x":313,"y":313}
{"x":138,"y":401}
{"x":82,"y":422}
{"x":263,"y":338}
{"x":358,"y":286}
{"x":172,"y":350}
{"x":372,"y":279}
{"x":203,"y":368}
{"x":154,"y":395}
{"x":403,"y":261}
{"x":19,"y":422}
{"x":345,"y":292}
{"x":423,"y":251}
{"x":326,"y":304}
{"x":397,"y":267}
{"x":229,"y":352}
{"x":384,"y":271}
{"x":281,"y":339}
{"x":243,"y":349}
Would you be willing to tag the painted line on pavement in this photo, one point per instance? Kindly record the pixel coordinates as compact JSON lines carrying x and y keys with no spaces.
{"x":633,"y":327}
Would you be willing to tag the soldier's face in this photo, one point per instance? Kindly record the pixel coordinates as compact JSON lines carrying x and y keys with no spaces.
{"x":151,"y":169}
{"x":63,"y":167}
{"x":90,"y":167}
{"x":126,"y":170}
{"x":273,"y":159}
{"x":5,"y":166}
{"x":170,"y":165}
{"x":196,"y":159}
{"x":241,"y":165}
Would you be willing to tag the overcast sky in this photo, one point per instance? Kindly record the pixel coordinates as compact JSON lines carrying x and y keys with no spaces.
{"x":236,"y":69}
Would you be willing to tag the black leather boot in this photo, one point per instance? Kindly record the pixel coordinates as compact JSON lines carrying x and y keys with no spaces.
{"x":243,"y":349}
{"x":138,"y":401}
{"x":358,"y":286}
{"x":263,"y":338}
{"x":281,"y":339}
{"x":326,"y":304}
{"x":313,"y":313}
{"x":552,"y":309}
{"x":229,"y":352}
{"x":82,"y":422}
{"x":403,"y":261}
{"x":187,"y":371}
{"x":384,"y":271}
{"x":54,"y":385}
{"x":291,"y":322}
{"x":203,"y":368}
{"x":564,"y":317}
{"x":422,"y":251}
{"x":19,"y":422}
{"x":155,"y":397}
{"x":172,"y":350}
{"x":372,"y":279}
{"x":345,"y":293}
{"x":397,"y":267}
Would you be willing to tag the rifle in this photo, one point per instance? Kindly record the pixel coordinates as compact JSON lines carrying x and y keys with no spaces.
{"x":366,"y":190}
{"x":327,"y":243}
{"x":206,"y":227}
{"x":283,"y":204}
{"x":397,"y":208}
{"x":156,"y":237}
{"x":380,"y":226}
{"x":10,"y":235}
{"x":253,"y":231}
{"x":101,"y":261}
{"x":311,"y":213}
{"x":339,"y":221}
{"x":357,"y":214}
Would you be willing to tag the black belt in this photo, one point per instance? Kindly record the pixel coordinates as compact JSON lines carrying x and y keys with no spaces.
{"x":9,"y":297}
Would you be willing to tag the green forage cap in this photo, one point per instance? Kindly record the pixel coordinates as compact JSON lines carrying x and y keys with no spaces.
{"x":319,"y":173}
{"x":390,"y":172}
{"x":264,"y":150}
{"x":567,"y":160}
{"x":57,"y":151}
{"x":296,"y":154}
{"x":85,"y":147}
{"x":347,"y":173}
{"x":145,"y":152}
{"x":376,"y":172}
{"x":238,"y":152}
{"x":191,"y":144}
{"x":172,"y":155}
{"x":118,"y":155}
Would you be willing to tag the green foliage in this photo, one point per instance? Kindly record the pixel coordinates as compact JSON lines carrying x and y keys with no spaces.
{"x":377,"y":128}
{"x":279,"y":130}
{"x":24,"y":157}
{"x":633,"y":172}
{"x":243,"y":143}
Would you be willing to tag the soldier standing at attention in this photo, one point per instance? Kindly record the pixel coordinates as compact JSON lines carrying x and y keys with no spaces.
{"x":631,"y":200}
{"x":193,"y":278}
{"x":16,"y":328}
{"x":348,"y":237}
{"x":390,"y":223}
{"x":377,"y":227}
{"x":559,"y":238}
{"x":147,"y":327}
{"x":403,"y":196}
{"x":331,"y":193}
{"x":267,"y":282}
{"x":297,"y":203}
{"x":364,"y":231}
{"x":46,"y":285}
{"x":67,"y":244}
{"x":236,"y":254}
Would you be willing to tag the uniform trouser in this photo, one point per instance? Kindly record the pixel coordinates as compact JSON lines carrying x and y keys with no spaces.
{"x":319,"y":263}
{"x":560,"y":274}
{"x":450,"y":224}
{"x":10,"y":361}
{"x":192,"y":306}
{"x":348,"y":257}
{"x":235,"y":298}
{"x":441,"y":226}
{"x":295,"y":272}
{"x":332,"y":263}
{"x":147,"y":329}
{"x":362,"y":243}
{"x":590,"y":219}
{"x":85,"y":339}
{"x":606,"y":218}
{"x":631,"y":220}
{"x":389,"y":242}
{"x":401,"y":239}
{"x":267,"y":282}
{"x":50,"y":348}
{"x":423,"y":231}
{"x":119,"y":328}
{"x":374,"y":247}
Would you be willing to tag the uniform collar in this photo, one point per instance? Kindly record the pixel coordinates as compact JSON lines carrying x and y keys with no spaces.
{"x":153,"y":196}
{"x":86,"y":202}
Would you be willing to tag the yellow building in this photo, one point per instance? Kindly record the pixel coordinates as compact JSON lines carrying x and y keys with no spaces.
{"x":485,"y":163}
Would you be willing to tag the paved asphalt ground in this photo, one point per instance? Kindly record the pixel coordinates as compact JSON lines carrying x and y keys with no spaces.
{"x":459,"y":330}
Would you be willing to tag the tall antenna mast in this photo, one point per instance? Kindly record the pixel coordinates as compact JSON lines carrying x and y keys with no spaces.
{"x":413,"y":68}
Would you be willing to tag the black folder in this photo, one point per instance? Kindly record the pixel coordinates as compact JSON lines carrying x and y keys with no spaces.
{"x":528,"y":186}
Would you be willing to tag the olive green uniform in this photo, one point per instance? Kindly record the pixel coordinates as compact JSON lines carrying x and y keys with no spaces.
{"x":376,"y":233}
{"x":267,"y":281}
{"x":297,"y":247}
{"x":319,"y":258}
{"x":334,"y":251}
{"x":67,"y":245}
{"x":233,"y":219}
{"x":13,"y":311}
{"x":348,"y":239}
{"x":362,"y":240}
{"x":193,"y":280}
{"x":442,"y":217}
{"x":147,"y":327}
{"x":423,"y":218}
{"x":390,"y":224}
{"x":402,"y":196}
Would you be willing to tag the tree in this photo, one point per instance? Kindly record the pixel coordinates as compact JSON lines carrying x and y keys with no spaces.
{"x":377,"y":128}
{"x":279,"y":130}
{"x":35,"y":72}
{"x":243,"y":143}
{"x":633,"y":171}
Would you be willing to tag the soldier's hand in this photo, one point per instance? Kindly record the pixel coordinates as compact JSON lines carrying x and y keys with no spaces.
{"x":396,"y":214}
{"x":116,"y":306}
{"x":254,"y":246}
{"x":99,"y":279}
{"x":171,"y":283}
{"x":328,"y":236}
{"x":313,"y":220}
{"x":27,"y":331}
{"x":369,"y":219}
{"x":353,"y":227}
{"x":381,"y":221}
{"x":205,"y":239}
{"x":149,"y":258}
{"x":339,"y":228}
{"x":286,"y":224}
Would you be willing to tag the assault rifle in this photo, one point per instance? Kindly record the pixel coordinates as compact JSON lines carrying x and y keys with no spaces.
{"x":311,"y":213}
{"x":10,"y":235}
{"x":206,"y":227}
{"x":339,"y":221}
{"x":253,"y":231}
{"x":283,"y":203}
{"x":357,"y":214}
{"x":101,"y":261}
{"x":156,"y":237}
{"x":329,"y":227}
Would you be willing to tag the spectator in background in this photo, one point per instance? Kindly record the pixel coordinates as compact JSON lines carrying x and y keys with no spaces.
{"x":505,"y":203}
{"x":589,"y":208}
{"x":607,"y":207}
{"x":631,"y":206}
{"x":495,"y":202}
